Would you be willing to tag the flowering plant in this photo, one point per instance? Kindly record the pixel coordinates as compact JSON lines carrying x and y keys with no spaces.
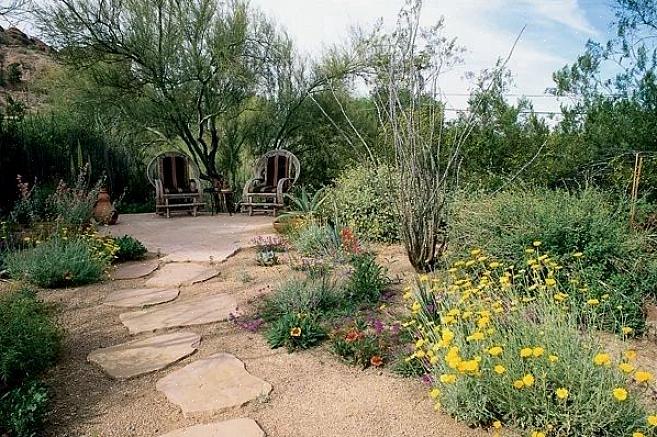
{"x":502,"y":344}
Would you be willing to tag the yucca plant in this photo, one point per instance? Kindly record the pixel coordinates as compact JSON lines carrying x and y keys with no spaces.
{"x":305,"y":205}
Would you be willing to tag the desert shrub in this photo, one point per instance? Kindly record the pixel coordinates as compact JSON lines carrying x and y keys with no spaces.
{"x":367,"y":280}
{"x":63,"y":260}
{"x":267,"y":249}
{"x":307,"y":295}
{"x":129,"y":248}
{"x":266,"y":258}
{"x":505,"y":346}
{"x":316,"y":240}
{"x":295,"y":331}
{"x":619,"y":262}
{"x":29,"y":344}
{"x":29,"y":339}
{"x":22,"y":410}
{"x":362,"y":200}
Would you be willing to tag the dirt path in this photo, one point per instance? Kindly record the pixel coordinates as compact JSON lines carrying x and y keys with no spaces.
{"x":314,"y":393}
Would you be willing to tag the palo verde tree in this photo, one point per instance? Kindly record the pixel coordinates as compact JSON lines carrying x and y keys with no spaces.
{"x":182,"y":68}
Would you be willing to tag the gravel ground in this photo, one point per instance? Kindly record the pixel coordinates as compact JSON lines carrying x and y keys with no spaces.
{"x":314,"y":393}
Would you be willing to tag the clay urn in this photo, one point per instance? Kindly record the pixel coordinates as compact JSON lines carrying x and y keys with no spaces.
{"x":104,"y":211}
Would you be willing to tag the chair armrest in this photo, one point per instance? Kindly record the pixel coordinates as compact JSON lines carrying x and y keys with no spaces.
{"x":283,"y":186}
{"x":159,"y":192}
{"x":250,"y":185}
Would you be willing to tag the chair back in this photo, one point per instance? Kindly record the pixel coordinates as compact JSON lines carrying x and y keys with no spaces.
{"x":173,"y":170}
{"x":276,"y":165}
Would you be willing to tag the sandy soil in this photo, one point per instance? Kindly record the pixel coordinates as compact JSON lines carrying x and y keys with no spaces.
{"x":314,"y":393}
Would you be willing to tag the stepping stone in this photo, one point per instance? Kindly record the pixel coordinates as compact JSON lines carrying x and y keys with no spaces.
{"x":141,"y":297}
{"x":199,"y":311}
{"x":145,"y":356}
{"x":176,"y":274}
{"x":230,"y":428}
{"x":135,"y":270}
{"x":212,"y":384}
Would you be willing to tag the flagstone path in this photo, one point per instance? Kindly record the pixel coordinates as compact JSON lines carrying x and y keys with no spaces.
{"x":230,"y":428}
{"x":135,"y":270}
{"x":197,"y":311}
{"x":139,"y":357}
{"x":212,"y":384}
{"x":141,"y":297}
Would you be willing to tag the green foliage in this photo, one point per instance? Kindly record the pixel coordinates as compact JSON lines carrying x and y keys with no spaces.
{"x":362,"y":199}
{"x":305,"y":205}
{"x":295,"y":331}
{"x":367,"y":281}
{"x":29,"y":338}
{"x":533,"y":363}
{"x":309,"y":295}
{"x":266,"y":258}
{"x":23,"y":409}
{"x":61,"y":261}
{"x":357,"y":348}
{"x":316,"y":240}
{"x":619,"y":262}
{"x":129,"y":249}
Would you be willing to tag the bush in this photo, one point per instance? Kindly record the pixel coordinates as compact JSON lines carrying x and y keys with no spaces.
{"x":366,"y":342}
{"x":301,"y":296}
{"x":362,"y":200}
{"x":129,"y":249}
{"x":295,"y":331}
{"x":619,"y":262}
{"x":29,"y":339}
{"x":62,"y":261}
{"x":22,"y":410}
{"x":367,"y":281}
{"x":29,"y":344}
{"x":317,"y":241}
{"x":506,"y":347}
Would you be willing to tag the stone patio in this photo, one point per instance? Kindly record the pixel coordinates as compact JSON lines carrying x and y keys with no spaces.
{"x":201,"y":239}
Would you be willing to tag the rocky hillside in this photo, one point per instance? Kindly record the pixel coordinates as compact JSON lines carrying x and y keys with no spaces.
{"x":23,"y":59}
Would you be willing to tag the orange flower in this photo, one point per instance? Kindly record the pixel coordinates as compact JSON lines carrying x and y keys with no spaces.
{"x":352,"y":336}
{"x":295,"y":332}
{"x":376,"y":361}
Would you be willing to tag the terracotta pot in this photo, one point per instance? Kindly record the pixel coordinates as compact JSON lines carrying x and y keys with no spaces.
{"x":104,"y":211}
{"x":284,"y":224}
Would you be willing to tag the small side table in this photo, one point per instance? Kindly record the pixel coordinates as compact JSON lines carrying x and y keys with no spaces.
{"x":222,"y":200}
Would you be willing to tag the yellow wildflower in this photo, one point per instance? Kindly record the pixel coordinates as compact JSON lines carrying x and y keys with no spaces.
{"x":526,"y":352}
{"x":518,"y":384}
{"x":476,"y":336}
{"x":434,"y":393}
{"x":592,"y":302}
{"x":626,"y":367}
{"x":626,"y":330}
{"x":550,"y":282}
{"x":601,"y":359}
{"x":499,"y":369}
{"x":642,"y":376}
{"x":620,"y":394}
{"x":630,"y":354}
{"x":528,"y":380}
{"x":538,"y":434}
{"x":562,"y":393}
{"x":495,"y":351}
{"x":497,"y":424}
{"x":448,"y":378}
{"x":538,"y":351}
{"x":652,"y":420}
{"x":638,"y":434}
{"x":553,"y":358}
{"x":537,"y":243}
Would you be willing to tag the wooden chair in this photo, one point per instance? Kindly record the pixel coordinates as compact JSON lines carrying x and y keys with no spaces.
{"x":274,"y":174}
{"x":177,"y":187}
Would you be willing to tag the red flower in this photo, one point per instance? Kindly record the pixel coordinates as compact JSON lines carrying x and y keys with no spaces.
{"x":376,"y":361}
{"x":352,"y":336}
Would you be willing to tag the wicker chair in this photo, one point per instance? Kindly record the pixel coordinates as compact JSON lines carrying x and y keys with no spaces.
{"x":177,"y":188}
{"x":274,"y":174}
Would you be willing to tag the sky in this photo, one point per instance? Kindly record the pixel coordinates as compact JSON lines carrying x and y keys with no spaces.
{"x":556,"y":33}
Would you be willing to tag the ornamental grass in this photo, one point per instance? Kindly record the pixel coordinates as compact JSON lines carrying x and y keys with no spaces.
{"x":514,"y":346}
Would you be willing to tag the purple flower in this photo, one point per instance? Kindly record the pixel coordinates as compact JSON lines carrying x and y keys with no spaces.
{"x":427,"y":379}
{"x":378,"y":326}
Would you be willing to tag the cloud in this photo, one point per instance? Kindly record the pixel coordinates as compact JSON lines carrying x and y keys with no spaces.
{"x":566,"y":12}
